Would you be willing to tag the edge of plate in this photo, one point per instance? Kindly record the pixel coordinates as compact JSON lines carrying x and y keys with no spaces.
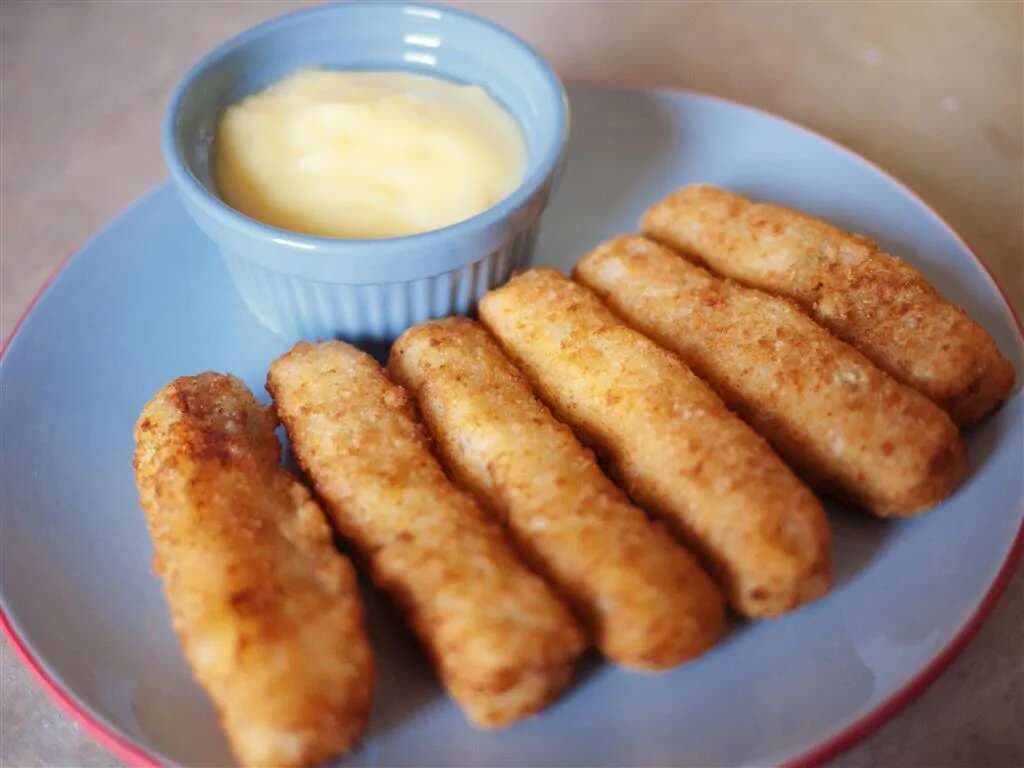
{"x":913,"y":688}
{"x":126,"y":749}
{"x":105,"y":734}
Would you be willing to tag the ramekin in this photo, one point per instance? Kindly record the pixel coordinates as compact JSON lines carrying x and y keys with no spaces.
{"x":306,"y":287}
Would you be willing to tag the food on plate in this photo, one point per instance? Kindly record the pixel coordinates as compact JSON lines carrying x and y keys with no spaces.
{"x":503,"y":643}
{"x":669,"y":439}
{"x":360,"y":154}
{"x":844,"y":424}
{"x":645,"y":599}
{"x":267,"y":611}
{"x":865,"y":296}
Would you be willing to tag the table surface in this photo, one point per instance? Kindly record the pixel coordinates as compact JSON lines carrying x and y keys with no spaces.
{"x":931,"y":91}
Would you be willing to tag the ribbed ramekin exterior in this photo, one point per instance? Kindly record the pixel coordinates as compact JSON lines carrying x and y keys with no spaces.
{"x":296,"y":308}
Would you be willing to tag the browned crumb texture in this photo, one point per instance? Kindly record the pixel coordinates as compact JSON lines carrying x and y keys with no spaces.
{"x":846,"y":425}
{"x":647,"y":601}
{"x":669,"y":439}
{"x":874,"y":301}
{"x":267,"y":611}
{"x":503,"y":644}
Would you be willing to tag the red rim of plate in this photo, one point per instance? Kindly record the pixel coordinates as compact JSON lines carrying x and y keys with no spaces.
{"x":127,"y":750}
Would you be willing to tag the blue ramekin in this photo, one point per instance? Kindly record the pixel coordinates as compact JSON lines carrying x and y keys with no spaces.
{"x":306,"y":287}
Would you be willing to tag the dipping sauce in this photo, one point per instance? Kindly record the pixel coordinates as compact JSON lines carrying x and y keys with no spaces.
{"x":366,"y":154}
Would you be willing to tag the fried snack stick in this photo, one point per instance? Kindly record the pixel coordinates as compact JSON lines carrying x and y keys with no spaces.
{"x":646,"y":600}
{"x":669,"y":439}
{"x":870,"y":299}
{"x":503,"y":644}
{"x":267,"y":611}
{"x":847,"y":426}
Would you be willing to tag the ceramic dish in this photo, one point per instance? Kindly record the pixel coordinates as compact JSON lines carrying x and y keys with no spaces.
{"x":301,"y":286}
{"x":145,"y":301}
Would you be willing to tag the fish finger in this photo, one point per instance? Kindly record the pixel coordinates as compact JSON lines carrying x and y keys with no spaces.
{"x":503,"y":643}
{"x":267,"y":610}
{"x":849,"y":428}
{"x":669,"y":440}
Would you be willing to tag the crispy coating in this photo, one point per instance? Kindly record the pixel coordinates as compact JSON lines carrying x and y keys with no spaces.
{"x":648,"y":603}
{"x":846,"y":425}
{"x":669,"y":439}
{"x":503,"y":643}
{"x":267,"y":611}
{"x":869,"y":298}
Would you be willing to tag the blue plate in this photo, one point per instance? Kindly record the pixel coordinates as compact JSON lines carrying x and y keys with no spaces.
{"x":148,"y":300}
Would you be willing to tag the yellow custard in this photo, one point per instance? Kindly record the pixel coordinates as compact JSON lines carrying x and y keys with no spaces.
{"x":366,"y":154}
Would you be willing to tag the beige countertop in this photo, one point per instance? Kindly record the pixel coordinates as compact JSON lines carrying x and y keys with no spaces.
{"x":931,"y":91}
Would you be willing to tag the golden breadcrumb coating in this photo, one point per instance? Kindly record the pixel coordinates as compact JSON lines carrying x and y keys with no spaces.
{"x":267,"y":611}
{"x":647,"y":602}
{"x":503,"y":643}
{"x":847,"y":426}
{"x":669,"y":439}
{"x":865,"y":296}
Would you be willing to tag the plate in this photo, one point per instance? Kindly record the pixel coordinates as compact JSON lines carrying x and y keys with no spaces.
{"x":147,"y":301}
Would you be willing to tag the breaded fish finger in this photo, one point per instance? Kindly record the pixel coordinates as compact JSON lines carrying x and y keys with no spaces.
{"x":503,"y":644}
{"x":847,"y":426}
{"x":669,"y":439}
{"x":646,"y":600}
{"x":267,"y":611}
{"x":870,"y":299}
